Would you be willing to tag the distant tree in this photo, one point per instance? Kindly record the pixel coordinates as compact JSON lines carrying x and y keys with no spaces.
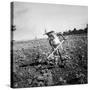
{"x":13,"y":27}
{"x":70,"y":31}
{"x":74,"y":30}
{"x":87,"y":26}
{"x":86,"y":29}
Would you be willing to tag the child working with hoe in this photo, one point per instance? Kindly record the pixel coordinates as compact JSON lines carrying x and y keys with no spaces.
{"x":55,"y":43}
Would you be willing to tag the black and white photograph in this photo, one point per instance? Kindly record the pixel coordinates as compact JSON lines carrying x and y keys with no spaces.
{"x":49,"y":45}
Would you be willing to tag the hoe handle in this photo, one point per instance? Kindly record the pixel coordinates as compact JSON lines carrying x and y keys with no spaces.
{"x":56,"y":49}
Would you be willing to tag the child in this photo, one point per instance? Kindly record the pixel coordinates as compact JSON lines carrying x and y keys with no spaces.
{"x":54,"y":41}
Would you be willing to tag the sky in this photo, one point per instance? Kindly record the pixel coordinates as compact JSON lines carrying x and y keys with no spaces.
{"x":31,"y":19}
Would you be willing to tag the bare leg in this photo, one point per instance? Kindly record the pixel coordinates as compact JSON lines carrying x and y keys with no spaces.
{"x":57,"y":60}
{"x":59,"y":54}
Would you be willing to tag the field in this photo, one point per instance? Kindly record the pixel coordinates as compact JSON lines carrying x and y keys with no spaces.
{"x":31,"y":68}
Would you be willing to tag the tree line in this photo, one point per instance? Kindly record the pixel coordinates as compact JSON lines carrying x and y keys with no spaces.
{"x":75,"y":31}
{"x":69,"y":32}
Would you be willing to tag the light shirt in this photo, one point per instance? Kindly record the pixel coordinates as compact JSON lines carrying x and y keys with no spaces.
{"x":56,"y":40}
